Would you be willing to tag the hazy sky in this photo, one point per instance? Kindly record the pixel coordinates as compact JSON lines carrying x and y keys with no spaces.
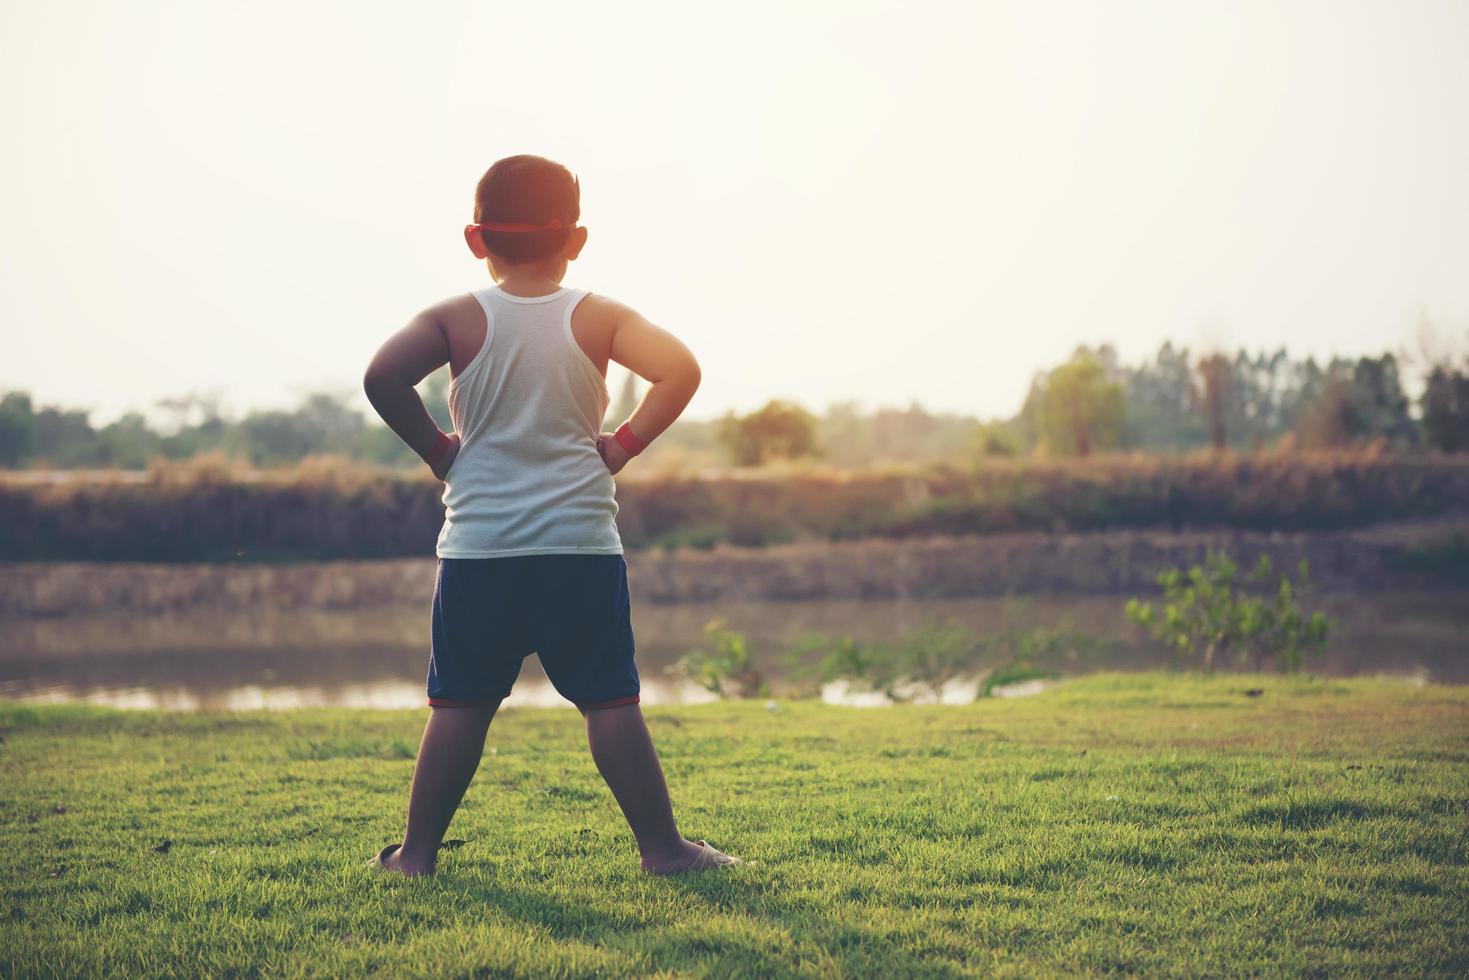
{"x":878,"y":202}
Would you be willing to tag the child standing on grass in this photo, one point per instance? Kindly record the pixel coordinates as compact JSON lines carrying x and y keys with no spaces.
{"x":529,"y":556}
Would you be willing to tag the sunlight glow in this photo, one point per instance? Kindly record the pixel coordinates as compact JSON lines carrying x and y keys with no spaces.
{"x":871,"y":201}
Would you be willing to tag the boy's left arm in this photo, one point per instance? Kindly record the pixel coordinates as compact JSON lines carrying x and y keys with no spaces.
{"x":405,"y":359}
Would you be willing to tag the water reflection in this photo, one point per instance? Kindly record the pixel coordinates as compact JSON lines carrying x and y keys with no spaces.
{"x":378,"y":658}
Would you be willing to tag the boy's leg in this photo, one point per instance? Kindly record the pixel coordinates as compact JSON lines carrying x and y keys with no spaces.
{"x":476,"y":654}
{"x":453,"y":741}
{"x":583,"y":632}
{"x":624,"y":754}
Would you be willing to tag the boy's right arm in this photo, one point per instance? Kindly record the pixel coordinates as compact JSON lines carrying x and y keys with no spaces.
{"x":405,"y":359}
{"x":660,"y":358}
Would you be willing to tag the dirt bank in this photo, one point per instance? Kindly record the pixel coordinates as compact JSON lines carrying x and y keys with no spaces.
{"x":1102,"y":563}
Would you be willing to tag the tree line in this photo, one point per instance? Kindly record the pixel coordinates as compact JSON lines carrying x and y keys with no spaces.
{"x":324,"y":423}
{"x":1176,"y":401}
{"x":1242,"y":401}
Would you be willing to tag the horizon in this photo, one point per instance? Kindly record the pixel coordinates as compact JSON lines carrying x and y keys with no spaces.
{"x":164,"y":420}
{"x":1252,"y":178}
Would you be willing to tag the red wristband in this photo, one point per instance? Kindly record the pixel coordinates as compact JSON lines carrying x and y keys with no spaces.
{"x":440,"y":448}
{"x":626,"y":439}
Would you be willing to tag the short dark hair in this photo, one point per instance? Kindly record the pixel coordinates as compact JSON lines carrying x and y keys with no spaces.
{"x":531,"y":190}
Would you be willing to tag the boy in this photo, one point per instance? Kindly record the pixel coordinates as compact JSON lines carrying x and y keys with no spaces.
{"x":529,"y":556}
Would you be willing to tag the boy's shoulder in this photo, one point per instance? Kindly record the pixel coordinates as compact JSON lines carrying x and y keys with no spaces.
{"x":595,"y":320}
{"x":466,"y":307}
{"x":596,"y":308}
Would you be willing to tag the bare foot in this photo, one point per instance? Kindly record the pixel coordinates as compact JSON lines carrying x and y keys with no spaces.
{"x":689,"y":857}
{"x":393,"y":860}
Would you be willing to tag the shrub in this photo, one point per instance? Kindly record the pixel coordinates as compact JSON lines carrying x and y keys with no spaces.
{"x":727,"y":669}
{"x":780,"y":430}
{"x":1208,"y":613}
{"x":927,"y":659}
{"x":1017,"y":651}
{"x":868,"y":665}
{"x":215,"y":509}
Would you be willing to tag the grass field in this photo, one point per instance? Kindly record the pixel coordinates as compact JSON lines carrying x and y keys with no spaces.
{"x":1143,"y":823}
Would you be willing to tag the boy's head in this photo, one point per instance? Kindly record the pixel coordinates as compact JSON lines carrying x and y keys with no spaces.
{"x":527,"y":191}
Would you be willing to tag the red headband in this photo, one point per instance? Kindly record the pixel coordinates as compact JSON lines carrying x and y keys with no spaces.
{"x":513,"y":226}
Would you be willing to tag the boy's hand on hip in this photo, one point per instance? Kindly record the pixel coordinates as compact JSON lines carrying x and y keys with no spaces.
{"x":612,"y":452}
{"x":441,"y":466}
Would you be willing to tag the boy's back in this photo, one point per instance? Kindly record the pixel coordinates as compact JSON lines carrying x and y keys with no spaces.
{"x":527,"y":401}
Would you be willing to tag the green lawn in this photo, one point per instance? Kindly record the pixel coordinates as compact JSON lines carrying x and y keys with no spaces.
{"x":1143,"y":823}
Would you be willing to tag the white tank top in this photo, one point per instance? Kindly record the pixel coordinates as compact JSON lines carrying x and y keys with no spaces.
{"x":528,"y":479}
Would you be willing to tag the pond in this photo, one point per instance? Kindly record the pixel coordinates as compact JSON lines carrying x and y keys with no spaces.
{"x":379,"y":657}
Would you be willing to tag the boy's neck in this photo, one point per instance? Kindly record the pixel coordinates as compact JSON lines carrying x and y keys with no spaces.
{"x":530,"y":279}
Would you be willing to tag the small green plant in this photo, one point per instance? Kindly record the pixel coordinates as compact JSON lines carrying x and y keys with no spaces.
{"x":815,"y":659}
{"x":870,"y":666}
{"x":924,"y":660}
{"x":1017,"y":650}
{"x":1208,"y":613}
{"x":726,"y":669}
{"x":931,"y":656}
{"x":927,"y":659}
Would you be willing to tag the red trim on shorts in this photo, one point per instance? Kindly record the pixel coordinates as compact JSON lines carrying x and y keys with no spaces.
{"x":614,"y":703}
{"x":452,"y":703}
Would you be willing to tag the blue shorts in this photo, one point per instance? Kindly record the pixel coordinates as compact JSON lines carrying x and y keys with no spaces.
{"x":572,"y":610}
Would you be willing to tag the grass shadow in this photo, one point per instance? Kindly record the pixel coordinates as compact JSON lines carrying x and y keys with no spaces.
{"x":808,"y":923}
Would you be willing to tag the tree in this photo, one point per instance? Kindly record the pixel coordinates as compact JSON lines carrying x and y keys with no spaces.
{"x":845,"y":434}
{"x":66,"y":438}
{"x":779,"y":430}
{"x":913,"y":433}
{"x":274,"y":436}
{"x":1254,"y":397}
{"x":191,"y":411}
{"x":1079,"y":410}
{"x":335,"y":425}
{"x":996,"y":439}
{"x":17,"y":428}
{"x":324,"y":423}
{"x":1308,"y":381}
{"x":1380,"y":399}
{"x":1360,"y":400}
{"x":1446,"y":409}
{"x":1215,"y":374}
{"x":198,"y":425}
{"x":1159,"y":401}
{"x":127,"y":443}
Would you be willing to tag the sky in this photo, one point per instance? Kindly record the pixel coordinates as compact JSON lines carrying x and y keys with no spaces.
{"x":870,"y":202}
